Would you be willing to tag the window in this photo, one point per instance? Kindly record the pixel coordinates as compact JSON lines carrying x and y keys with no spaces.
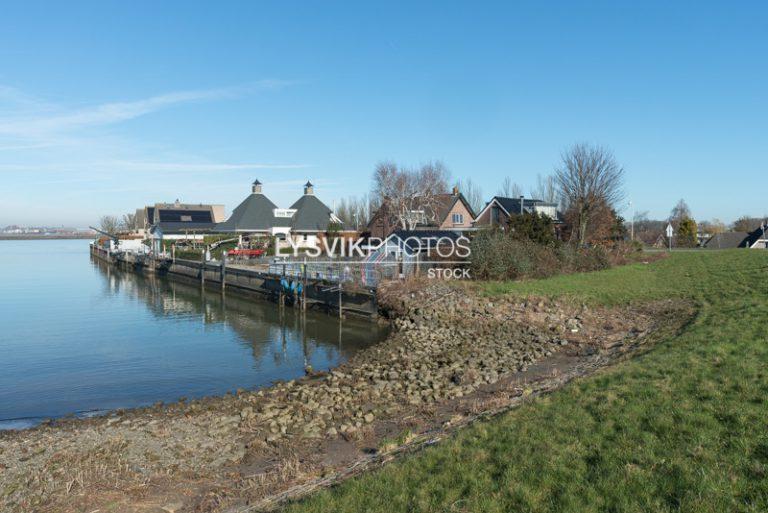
{"x":458,"y":218}
{"x":304,"y":238}
{"x":417,"y":216}
{"x":284,"y":212}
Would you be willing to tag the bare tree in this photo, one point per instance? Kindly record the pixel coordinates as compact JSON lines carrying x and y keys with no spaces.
{"x":472,"y":193}
{"x":109,"y":224}
{"x":409,"y":195}
{"x":590,"y":180}
{"x":648,"y":230}
{"x":128,"y":223}
{"x":748,"y":224}
{"x":546,"y":189}
{"x":680,"y":212}
{"x":712,"y":227}
{"x":353,"y":211}
{"x":510,"y":189}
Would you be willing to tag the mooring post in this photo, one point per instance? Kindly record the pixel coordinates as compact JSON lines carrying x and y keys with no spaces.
{"x":223,"y":276}
{"x":341,"y":315}
{"x":202,"y":269}
{"x":282,"y":292}
{"x":304,"y":288}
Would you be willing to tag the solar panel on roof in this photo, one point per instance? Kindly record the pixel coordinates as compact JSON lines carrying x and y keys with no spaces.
{"x":185,"y":216}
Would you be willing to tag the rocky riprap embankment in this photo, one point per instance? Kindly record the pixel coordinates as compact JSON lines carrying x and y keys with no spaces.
{"x":446,"y":343}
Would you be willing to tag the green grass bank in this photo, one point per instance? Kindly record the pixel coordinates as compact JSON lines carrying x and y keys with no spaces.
{"x":682,"y":427}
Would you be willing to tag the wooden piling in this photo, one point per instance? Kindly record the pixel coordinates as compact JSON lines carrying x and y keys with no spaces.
{"x":223,"y":272}
{"x":202,"y":269}
{"x":304,"y":288}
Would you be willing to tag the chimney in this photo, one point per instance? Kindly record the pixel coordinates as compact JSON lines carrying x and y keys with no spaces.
{"x":309,"y":189}
{"x":522,"y":199}
{"x":256,"y":187}
{"x":455,"y":190}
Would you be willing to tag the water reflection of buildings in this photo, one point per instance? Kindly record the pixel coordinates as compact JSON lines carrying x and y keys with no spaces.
{"x":258,"y":323}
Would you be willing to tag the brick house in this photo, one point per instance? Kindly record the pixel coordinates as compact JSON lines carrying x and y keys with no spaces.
{"x":450,"y":211}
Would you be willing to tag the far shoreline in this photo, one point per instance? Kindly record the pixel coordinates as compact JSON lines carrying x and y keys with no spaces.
{"x":48,"y":237}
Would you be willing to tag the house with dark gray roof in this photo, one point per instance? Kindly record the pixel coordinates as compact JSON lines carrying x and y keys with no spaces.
{"x":311,"y":215}
{"x":307,"y":220}
{"x":498,"y":211}
{"x":756,"y":239}
{"x":256,"y":214}
{"x":178,"y":220}
{"x":727,"y":240}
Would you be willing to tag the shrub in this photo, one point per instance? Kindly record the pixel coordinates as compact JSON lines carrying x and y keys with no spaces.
{"x":593,"y":258}
{"x":532,"y":226}
{"x":497,"y":256}
{"x":686,"y":233}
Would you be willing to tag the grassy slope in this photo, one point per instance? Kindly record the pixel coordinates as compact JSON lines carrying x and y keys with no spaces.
{"x":683,"y":427}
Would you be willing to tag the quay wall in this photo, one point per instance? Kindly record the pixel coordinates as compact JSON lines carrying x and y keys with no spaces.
{"x":319,"y":294}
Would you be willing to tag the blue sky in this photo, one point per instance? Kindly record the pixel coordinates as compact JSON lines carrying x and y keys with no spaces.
{"x":107,"y":106}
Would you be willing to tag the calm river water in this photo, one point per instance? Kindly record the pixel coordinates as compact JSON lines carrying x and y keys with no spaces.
{"x":77,"y":337}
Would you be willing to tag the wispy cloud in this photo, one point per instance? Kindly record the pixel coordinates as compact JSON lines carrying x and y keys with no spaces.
{"x":35,"y":124}
{"x":15,"y":98}
{"x":65,"y":159}
{"x":40,"y":126}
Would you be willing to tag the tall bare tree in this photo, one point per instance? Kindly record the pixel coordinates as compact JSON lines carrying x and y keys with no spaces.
{"x":510,"y":189}
{"x":409,"y":195}
{"x":680,"y":212}
{"x":590,"y":180}
{"x":546,"y":189}
{"x":472,"y":193}
{"x":109,"y":224}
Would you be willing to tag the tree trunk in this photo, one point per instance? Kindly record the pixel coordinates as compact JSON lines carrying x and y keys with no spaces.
{"x":583,"y":218}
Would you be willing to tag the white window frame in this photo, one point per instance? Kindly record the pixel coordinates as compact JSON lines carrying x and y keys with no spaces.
{"x":284,"y":212}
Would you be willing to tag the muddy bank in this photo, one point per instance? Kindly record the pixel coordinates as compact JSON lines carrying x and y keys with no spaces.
{"x":451,"y":357}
